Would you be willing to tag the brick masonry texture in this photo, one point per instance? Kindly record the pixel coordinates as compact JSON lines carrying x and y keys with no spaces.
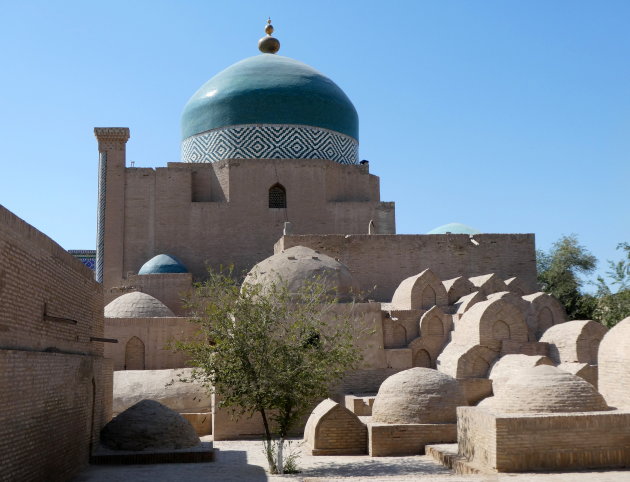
{"x":614,"y":366}
{"x":380,"y":262}
{"x":332,"y":429}
{"x":530,"y":442}
{"x":156,"y":335}
{"x":218,"y":214}
{"x":55,"y":385}
{"x":407,"y":439}
{"x":37,"y":278}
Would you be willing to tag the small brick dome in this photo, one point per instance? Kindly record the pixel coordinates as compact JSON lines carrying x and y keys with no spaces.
{"x":137,"y":305}
{"x":163,"y":264}
{"x":543,"y":389}
{"x":418,"y":395}
{"x":299,"y":265}
{"x":149,"y":425}
{"x":614,"y":365}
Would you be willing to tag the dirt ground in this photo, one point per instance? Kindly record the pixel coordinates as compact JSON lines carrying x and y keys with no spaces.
{"x":244,"y":461}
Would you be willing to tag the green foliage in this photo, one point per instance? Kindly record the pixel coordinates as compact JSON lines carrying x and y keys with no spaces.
{"x":269,"y":351}
{"x":612,"y":307}
{"x":559,"y":273}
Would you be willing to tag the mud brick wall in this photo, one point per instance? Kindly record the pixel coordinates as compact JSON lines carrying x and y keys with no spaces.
{"x":567,"y":441}
{"x":48,"y":299}
{"x":529,"y":442}
{"x":380,"y":262}
{"x":55,"y":385}
{"x":409,"y":439}
{"x":156,"y":335}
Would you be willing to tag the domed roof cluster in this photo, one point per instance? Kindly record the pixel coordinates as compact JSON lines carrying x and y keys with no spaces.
{"x":298,"y":266}
{"x":137,"y":305}
{"x":545,"y":389}
{"x":418,"y":395}
{"x":163,"y":264}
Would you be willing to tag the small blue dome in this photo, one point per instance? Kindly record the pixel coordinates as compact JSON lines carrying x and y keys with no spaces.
{"x":161,"y":264}
{"x":454,"y":228}
{"x":269,"y":89}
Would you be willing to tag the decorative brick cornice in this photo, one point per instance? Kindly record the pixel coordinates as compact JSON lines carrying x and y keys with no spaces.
{"x":120,"y":134}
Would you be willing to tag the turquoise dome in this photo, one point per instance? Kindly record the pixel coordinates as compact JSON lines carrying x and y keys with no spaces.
{"x":454,"y":228}
{"x":269,"y":89}
{"x":161,"y":264}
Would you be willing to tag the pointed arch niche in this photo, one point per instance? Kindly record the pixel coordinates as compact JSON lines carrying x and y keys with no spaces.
{"x":277,"y":196}
{"x":134,"y":354}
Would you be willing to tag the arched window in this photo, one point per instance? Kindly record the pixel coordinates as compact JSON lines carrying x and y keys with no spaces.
{"x":277,"y":196}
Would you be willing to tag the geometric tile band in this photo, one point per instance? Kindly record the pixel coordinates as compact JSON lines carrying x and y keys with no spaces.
{"x":100,"y":216}
{"x":270,"y":141}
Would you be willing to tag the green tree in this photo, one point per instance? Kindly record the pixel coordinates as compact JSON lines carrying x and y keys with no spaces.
{"x":559,"y":272}
{"x":270,"y":351}
{"x":612,"y":307}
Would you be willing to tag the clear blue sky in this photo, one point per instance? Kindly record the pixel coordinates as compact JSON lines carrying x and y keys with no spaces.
{"x":509,"y":116}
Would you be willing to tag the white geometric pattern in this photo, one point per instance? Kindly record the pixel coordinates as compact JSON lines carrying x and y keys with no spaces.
{"x":100,"y":216}
{"x":270,"y":141}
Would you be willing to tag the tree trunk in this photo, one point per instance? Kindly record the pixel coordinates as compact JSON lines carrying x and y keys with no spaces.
{"x":280,"y":463}
{"x":273,"y":469}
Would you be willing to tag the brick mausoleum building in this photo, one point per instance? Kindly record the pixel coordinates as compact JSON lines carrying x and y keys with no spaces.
{"x":270,"y":181}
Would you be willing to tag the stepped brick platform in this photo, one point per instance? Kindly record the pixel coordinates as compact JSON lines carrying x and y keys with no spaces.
{"x":104,"y":456}
{"x":446,"y":454}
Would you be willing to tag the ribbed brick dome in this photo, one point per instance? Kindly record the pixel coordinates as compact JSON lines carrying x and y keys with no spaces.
{"x":418,"y":395}
{"x":299,"y":265}
{"x":137,"y":305}
{"x":543,"y":389}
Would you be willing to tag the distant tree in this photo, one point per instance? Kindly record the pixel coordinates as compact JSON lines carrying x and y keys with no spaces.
{"x":612,"y":307}
{"x":559,"y":272}
{"x":270,"y":351}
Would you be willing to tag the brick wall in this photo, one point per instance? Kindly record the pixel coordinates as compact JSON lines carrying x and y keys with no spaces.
{"x":410,"y":439}
{"x":527,"y":442}
{"x":385,"y":260}
{"x":48,"y":299}
{"x":567,"y":441}
{"x":155,"y":334}
{"x":218,"y":214}
{"x":56,"y":387}
{"x":171,"y":289}
{"x":476,"y":436}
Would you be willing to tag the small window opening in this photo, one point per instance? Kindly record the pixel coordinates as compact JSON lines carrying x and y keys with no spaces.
{"x":277,"y":196}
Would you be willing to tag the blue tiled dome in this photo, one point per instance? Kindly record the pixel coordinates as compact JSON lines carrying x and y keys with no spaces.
{"x":161,"y":264}
{"x":454,"y":228}
{"x":269,"y":89}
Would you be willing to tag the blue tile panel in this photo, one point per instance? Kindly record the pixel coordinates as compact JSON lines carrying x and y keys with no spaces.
{"x":86,"y":256}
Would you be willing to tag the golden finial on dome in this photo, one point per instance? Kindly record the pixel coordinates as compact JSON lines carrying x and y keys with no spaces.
{"x":269,"y":27}
{"x":269,"y":44}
